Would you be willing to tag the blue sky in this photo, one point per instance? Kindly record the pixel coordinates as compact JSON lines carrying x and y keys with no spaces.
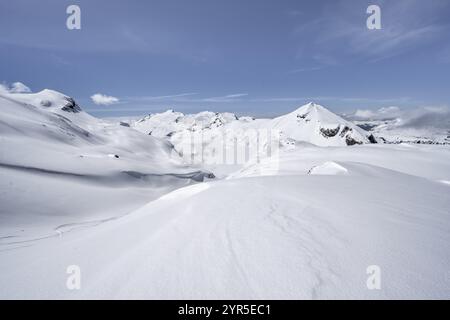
{"x":258,"y":57}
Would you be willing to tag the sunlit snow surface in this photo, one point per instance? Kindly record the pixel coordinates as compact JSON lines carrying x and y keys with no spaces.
{"x":305,"y":225}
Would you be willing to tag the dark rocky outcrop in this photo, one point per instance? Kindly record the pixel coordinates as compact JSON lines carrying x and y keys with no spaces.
{"x":372,"y":139}
{"x":71,"y":106}
{"x":345,"y":131}
{"x":351,"y":141}
{"x":303,"y":117}
{"x":328,"y":133}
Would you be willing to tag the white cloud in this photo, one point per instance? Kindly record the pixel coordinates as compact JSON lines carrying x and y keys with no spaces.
{"x":422,"y":117}
{"x":428,"y":117}
{"x":364,"y":114}
{"x":380,"y":114}
{"x":104,"y":100}
{"x":16,"y":87}
{"x":19,"y":87}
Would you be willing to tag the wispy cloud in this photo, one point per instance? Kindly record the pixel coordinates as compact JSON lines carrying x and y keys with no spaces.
{"x":192,"y":98}
{"x":340,"y":32}
{"x":226,"y":98}
{"x":165,"y":97}
{"x":300,"y":70}
{"x":187,"y":97}
{"x":334,"y":99}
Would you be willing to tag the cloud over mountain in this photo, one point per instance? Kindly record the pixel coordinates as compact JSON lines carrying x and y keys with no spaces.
{"x":421,"y":117}
{"x":16,"y":87}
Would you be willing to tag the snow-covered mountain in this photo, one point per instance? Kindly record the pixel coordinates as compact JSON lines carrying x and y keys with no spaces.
{"x":310,"y":123}
{"x":395,"y":131}
{"x":427,"y":125}
{"x":315,"y":124}
{"x":167,"y":123}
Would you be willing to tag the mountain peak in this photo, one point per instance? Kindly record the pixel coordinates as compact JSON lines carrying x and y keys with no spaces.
{"x":318,"y":125}
{"x":312,"y":107}
{"x":50,"y":91}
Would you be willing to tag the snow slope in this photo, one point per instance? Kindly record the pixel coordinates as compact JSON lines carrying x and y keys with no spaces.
{"x":288,"y":235}
{"x":59,"y":165}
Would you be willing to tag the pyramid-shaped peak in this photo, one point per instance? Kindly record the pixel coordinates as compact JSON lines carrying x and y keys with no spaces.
{"x":316,"y":113}
{"x":318,"y":125}
{"x":311,"y":107}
